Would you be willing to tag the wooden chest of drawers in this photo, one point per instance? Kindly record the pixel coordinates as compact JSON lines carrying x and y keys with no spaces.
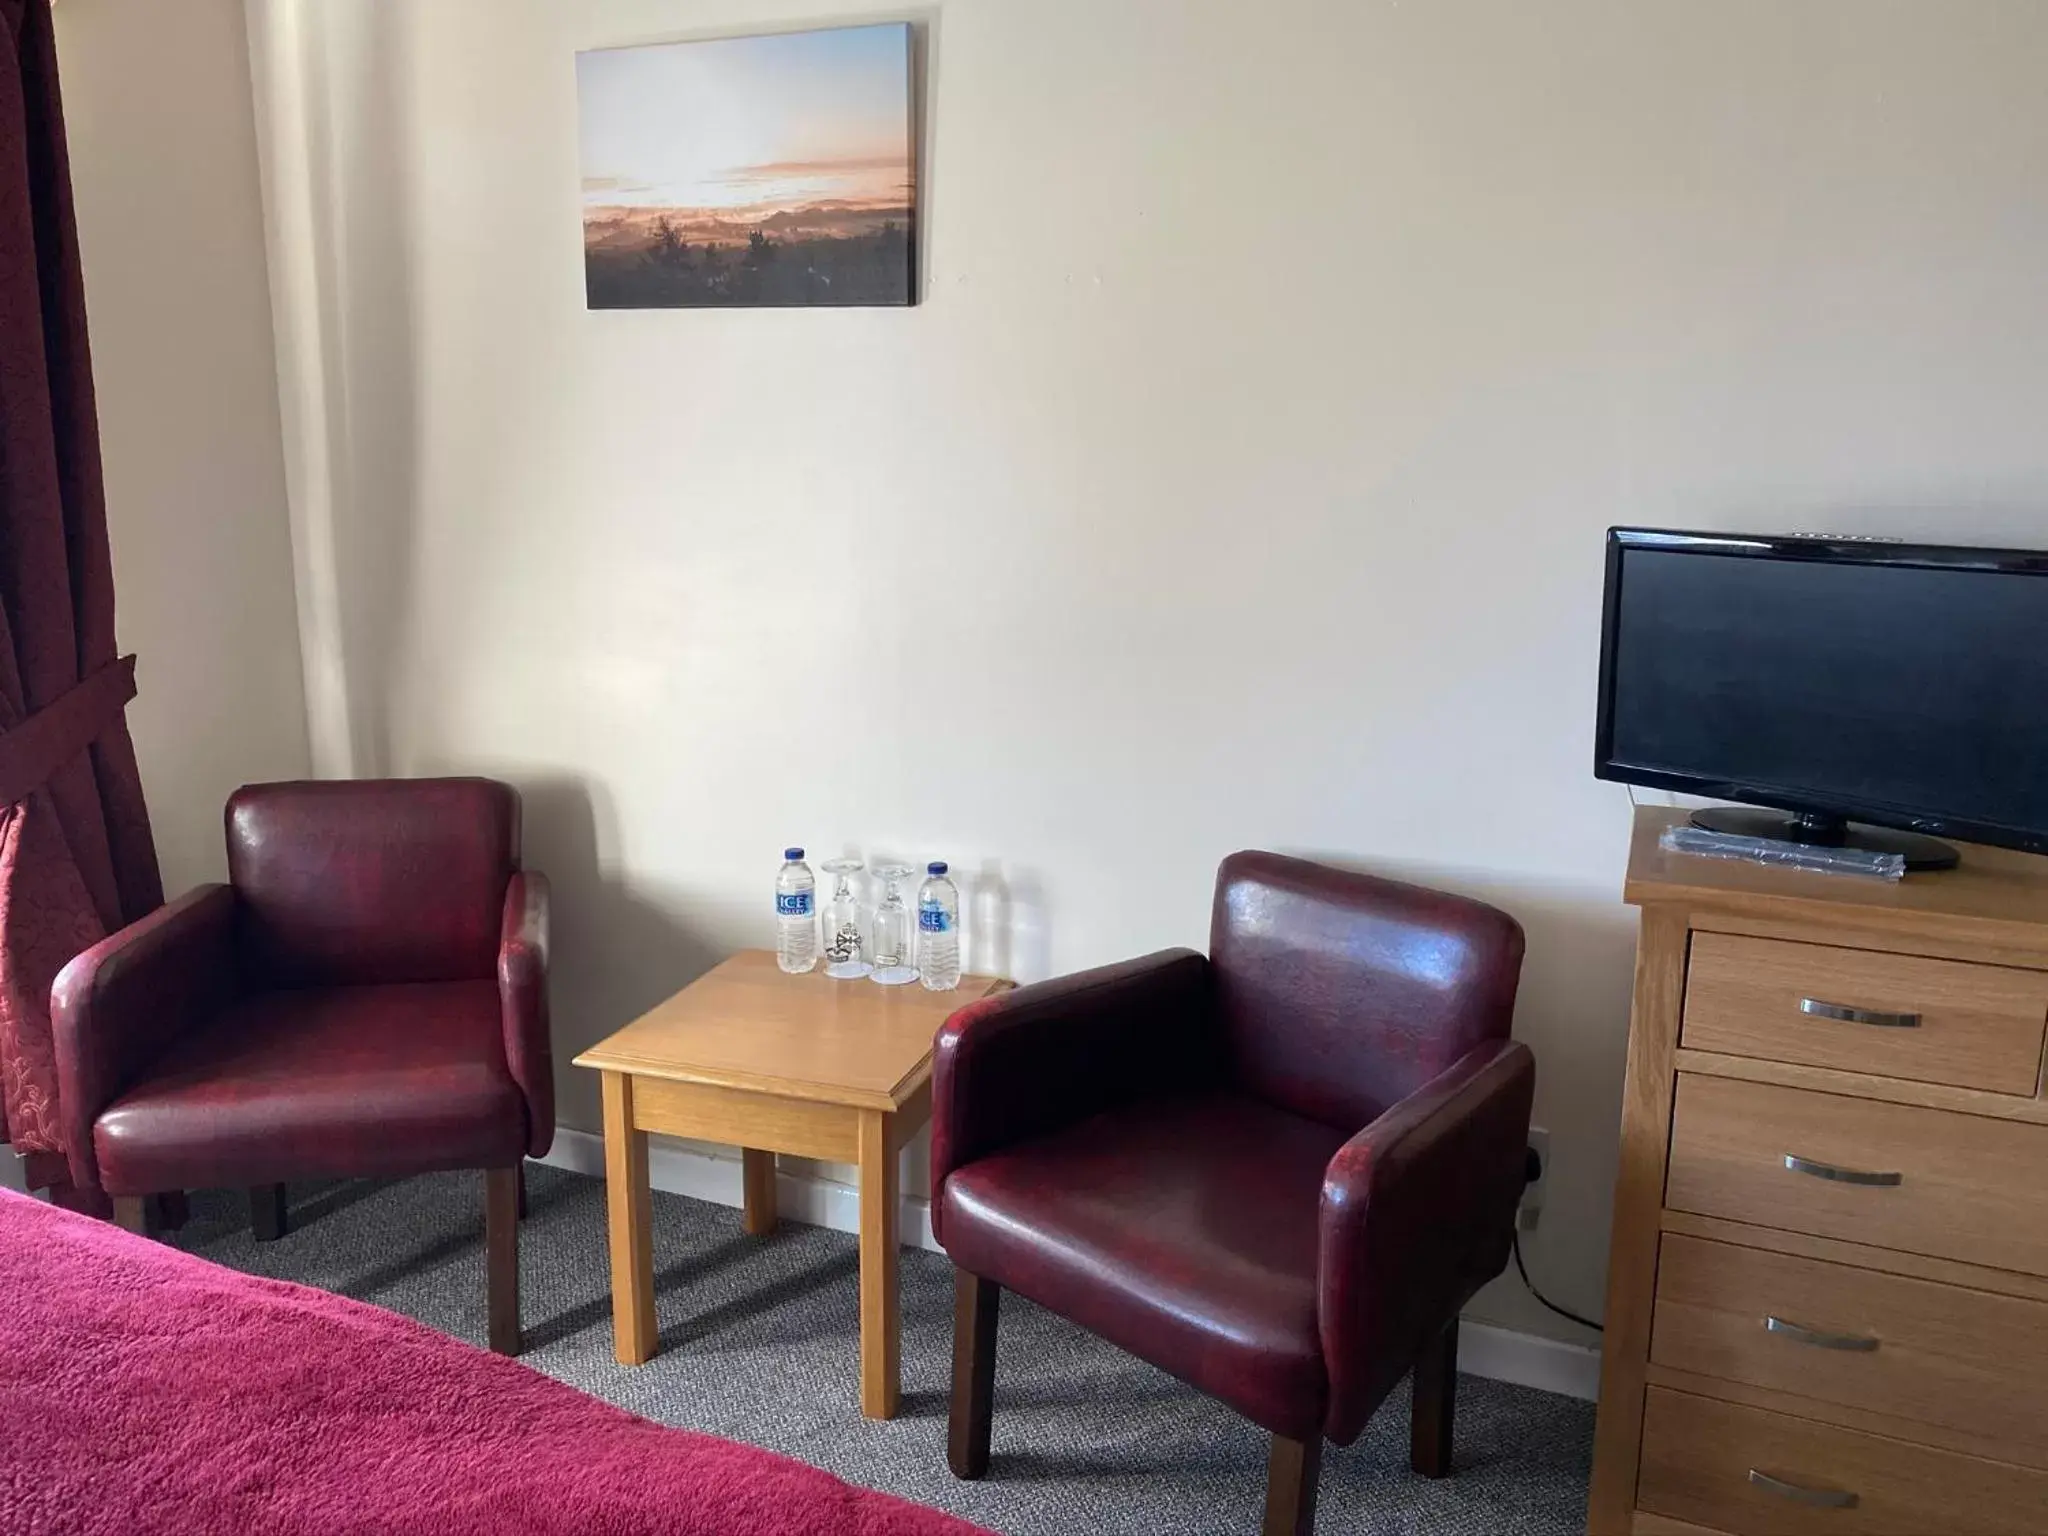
{"x":1827,"y":1304}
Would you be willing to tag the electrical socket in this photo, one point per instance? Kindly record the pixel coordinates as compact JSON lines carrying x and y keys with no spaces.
{"x":1531,"y":1210}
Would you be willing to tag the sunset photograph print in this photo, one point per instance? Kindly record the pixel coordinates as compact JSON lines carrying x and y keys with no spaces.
{"x":750,"y":171}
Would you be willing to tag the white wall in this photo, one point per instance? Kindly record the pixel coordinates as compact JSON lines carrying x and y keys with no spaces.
{"x":1240,"y":481}
{"x":163,"y":164}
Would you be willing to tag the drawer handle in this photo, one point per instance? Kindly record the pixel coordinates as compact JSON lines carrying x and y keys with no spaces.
{"x":1843,"y":1175}
{"x":1843,"y":1013}
{"x":1799,"y":1493}
{"x":1799,"y":1333}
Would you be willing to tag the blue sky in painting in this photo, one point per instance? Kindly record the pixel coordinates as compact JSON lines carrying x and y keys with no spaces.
{"x":751,"y":123}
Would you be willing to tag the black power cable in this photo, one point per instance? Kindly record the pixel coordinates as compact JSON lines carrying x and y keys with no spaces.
{"x":1532,"y":1170}
{"x":1564,"y":1312}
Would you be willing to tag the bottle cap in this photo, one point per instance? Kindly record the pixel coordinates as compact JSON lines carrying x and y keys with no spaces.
{"x":936,"y":867}
{"x":792,"y":854}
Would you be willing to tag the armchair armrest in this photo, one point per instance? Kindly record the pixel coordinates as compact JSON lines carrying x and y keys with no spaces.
{"x":1418,"y":1212}
{"x":119,"y":1005}
{"x":523,"y":995}
{"x":1021,"y":1063}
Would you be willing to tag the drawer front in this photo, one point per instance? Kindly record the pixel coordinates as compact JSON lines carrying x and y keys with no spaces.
{"x":1755,"y":1473}
{"x":1644,"y":1523}
{"x":1930,"y":1021}
{"x":1935,"y":1354}
{"x":1956,"y":1186}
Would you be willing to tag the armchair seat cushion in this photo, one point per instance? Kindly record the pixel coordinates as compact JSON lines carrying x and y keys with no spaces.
{"x":345,"y":1082}
{"x":1182,"y":1229}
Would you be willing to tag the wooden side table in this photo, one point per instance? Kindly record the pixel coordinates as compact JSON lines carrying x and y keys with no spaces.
{"x":750,"y":1056}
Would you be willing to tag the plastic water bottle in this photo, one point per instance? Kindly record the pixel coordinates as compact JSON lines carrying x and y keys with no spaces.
{"x":938,"y":931}
{"x":796,"y":914}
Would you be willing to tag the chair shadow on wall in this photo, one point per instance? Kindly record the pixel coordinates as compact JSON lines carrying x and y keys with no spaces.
{"x":614,"y":951}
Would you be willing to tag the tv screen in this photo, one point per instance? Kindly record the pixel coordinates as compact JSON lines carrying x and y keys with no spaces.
{"x":1903,"y":685}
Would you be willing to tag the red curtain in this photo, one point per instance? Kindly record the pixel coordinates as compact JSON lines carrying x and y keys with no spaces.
{"x":76,"y":858}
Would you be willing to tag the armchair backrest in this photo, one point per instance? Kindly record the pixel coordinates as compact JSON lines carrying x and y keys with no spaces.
{"x":366,"y":881}
{"x":1339,"y":994}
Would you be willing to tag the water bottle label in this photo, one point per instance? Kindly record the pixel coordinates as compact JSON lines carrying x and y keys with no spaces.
{"x":933,"y":918}
{"x":793,"y":904}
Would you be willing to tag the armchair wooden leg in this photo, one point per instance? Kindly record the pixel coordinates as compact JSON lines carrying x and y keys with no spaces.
{"x":64,"y":1194}
{"x":267,"y":1218}
{"x":975,"y":1302}
{"x":1293,"y":1468}
{"x":501,"y":1257}
{"x":1436,"y":1399}
{"x":522,"y":1189}
{"x":133,"y":1212}
{"x":172,"y":1210}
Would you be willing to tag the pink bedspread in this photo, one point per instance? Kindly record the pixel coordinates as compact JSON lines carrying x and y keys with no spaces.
{"x":144,"y":1390}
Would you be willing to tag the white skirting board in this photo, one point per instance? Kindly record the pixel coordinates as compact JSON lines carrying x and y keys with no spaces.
{"x":1528,"y":1360}
{"x":1500,"y":1354}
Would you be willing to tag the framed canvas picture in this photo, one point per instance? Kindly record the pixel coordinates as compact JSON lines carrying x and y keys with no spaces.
{"x":748,"y":172}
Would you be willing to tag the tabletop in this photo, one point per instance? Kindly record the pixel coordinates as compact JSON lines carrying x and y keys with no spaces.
{"x":748,"y":1024}
{"x":1996,"y":895}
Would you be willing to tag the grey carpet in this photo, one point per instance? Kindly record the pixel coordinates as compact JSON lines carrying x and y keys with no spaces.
{"x":760,"y":1343}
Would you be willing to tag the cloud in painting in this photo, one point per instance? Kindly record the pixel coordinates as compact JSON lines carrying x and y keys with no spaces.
{"x":702,"y":127}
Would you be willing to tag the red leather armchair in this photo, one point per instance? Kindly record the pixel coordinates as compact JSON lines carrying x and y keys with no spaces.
{"x":1278,"y":1172}
{"x":367,"y":996}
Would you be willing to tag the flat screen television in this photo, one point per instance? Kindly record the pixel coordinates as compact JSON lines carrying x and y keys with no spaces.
{"x":1853,"y":691}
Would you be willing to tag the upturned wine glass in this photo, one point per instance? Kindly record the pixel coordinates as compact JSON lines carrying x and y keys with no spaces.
{"x":845,"y":959}
{"x":889,"y":933}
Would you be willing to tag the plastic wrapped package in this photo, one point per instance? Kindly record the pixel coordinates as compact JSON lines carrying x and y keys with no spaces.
{"x":1763,"y":850}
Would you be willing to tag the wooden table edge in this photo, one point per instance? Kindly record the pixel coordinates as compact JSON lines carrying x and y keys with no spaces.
{"x":773,"y":1087}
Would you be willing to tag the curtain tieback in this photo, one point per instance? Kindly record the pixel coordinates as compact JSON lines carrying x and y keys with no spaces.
{"x":55,"y":734}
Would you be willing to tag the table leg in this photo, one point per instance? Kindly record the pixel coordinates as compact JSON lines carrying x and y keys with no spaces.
{"x":627,"y":1196}
{"x":880,"y":1366}
{"x":757,"y":1177}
